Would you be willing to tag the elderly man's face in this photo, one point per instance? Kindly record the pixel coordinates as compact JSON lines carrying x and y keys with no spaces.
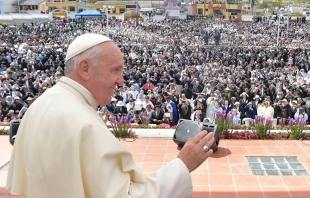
{"x":103,"y":79}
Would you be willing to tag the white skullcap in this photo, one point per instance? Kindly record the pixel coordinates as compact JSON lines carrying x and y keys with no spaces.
{"x":83,"y":43}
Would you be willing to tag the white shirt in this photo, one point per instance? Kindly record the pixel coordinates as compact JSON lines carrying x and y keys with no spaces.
{"x":144,"y":104}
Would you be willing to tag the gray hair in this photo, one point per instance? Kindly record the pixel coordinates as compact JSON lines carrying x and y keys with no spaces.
{"x":90,"y":54}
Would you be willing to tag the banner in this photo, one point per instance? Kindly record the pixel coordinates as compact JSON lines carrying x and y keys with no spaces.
{"x":173,"y":13}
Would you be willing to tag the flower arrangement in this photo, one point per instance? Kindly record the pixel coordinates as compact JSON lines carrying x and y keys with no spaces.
{"x":146,"y":120}
{"x":248,"y":135}
{"x":279,"y":136}
{"x":4,"y":131}
{"x":121,"y":127}
{"x":4,"y":124}
{"x":261,"y":125}
{"x":222,"y":121}
{"x":296,"y":127}
{"x":282,"y":123}
{"x":167,"y":126}
{"x":238,"y":127}
{"x":151,"y":126}
{"x":242,"y":135}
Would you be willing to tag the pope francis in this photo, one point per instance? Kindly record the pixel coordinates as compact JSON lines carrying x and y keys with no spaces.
{"x":64,"y":150}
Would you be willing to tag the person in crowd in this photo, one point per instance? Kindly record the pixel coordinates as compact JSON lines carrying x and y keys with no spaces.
{"x":157,"y":115}
{"x":283,"y":109}
{"x":120,"y":109}
{"x":256,"y":101}
{"x":239,"y":109}
{"x":235,"y":114}
{"x":130,"y":105}
{"x":215,"y":107}
{"x":250,"y":112}
{"x":244,"y":99}
{"x":168,"y":119}
{"x":147,"y":102}
{"x":206,"y":38}
{"x":172,"y":108}
{"x":136,"y":120}
{"x":265,"y":109}
{"x":198,"y":116}
{"x":185,"y":110}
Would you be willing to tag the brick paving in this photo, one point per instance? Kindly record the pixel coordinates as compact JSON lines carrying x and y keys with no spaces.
{"x":225,"y":174}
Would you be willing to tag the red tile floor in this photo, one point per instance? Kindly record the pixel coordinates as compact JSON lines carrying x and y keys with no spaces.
{"x":225,"y":174}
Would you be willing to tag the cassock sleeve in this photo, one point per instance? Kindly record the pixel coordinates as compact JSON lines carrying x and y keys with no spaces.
{"x":172,"y":180}
{"x":108,"y":170}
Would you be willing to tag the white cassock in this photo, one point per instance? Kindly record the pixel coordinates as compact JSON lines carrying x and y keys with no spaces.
{"x":64,"y":150}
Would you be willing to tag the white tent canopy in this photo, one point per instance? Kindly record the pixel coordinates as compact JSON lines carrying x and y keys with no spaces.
{"x":146,"y":9}
{"x":10,"y":17}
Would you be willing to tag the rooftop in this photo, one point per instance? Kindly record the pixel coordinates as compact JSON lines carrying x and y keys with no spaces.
{"x":32,"y":2}
{"x":28,"y":2}
{"x":115,"y":2}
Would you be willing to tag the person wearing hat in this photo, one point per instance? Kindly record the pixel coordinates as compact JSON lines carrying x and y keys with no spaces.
{"x":256,"y":101}
{"x":250,"y":111}
{"x":111,"y":107}
{"x":23,"y":110}
{"x":79,"y":156}
{"x":157,"y":115}
{"x":17,"y":104}
{"x":240,"y":110}
{"x":120,"y":108}
{"x":29,"y":101}
{"x":244,"y":100}
{"x":235,"y":114}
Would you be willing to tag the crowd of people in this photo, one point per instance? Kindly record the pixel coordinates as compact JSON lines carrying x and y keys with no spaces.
{"x":174,"y":69}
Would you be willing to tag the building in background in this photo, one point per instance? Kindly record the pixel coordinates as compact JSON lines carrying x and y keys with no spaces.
{"x":22,"y":6}
{"x":30,"y":6}
{"x":118,"y":9}
{"x":217,"y":10}
{"x":61,"y":8}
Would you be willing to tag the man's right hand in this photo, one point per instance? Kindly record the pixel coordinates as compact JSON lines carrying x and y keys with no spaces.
{"x":193,"y":154}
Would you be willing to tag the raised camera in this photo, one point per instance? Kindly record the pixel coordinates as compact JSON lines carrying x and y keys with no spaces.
{"x":189,"y":129}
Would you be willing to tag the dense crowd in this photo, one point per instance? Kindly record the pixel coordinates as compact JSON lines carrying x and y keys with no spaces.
{"x":174,"y":69}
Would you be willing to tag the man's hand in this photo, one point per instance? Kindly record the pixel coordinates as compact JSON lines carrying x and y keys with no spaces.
{"x":193,"y":154}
